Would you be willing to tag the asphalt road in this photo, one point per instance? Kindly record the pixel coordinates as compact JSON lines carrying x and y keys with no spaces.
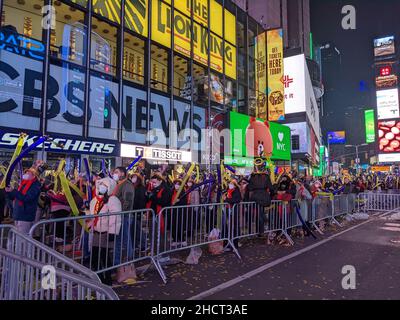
{"x":309,"y":270}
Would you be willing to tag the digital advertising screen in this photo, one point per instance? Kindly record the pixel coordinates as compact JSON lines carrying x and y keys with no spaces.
{"x":387,"y":102}
{"x":389,"y":136}
{"x":384,"y":46}
{"x":337,"y":137}
{"x":269,"y":137}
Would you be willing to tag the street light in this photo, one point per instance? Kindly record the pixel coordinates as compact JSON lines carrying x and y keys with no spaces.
{"x":357,"y":158}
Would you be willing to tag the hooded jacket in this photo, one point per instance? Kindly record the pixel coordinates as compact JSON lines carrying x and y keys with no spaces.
{"x":110,"y":224}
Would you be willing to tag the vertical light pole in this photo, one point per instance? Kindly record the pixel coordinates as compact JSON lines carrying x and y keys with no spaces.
{"x":357,"y":158}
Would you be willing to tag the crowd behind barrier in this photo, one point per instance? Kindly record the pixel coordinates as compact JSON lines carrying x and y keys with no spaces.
{"x":100,"y":225}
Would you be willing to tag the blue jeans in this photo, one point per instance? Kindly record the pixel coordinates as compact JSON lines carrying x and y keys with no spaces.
{"x":123,"y":241}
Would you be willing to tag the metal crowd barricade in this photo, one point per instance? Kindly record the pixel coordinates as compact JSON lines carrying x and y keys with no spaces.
{"x":22,"y":278}
{"x":249,"y":219}
{"x":381,"y":202}
{"x":322,"y":209}
{"x":23,"y":245}
{"x":102,"y":242}
{"x":184,"y":227}
{"x":340,"y":205}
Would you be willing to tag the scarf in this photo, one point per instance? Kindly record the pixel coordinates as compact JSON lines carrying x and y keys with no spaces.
{"x":24,"y":187}
{"x":97,"y":208}
{"x":230,"y":192}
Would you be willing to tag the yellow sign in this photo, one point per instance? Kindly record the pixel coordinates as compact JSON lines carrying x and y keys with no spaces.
{"x":136,"y":16}
{"x":380,"y":168}
{"x":216,"y":18}
{"x":276,"y":106}
{"x":261,"y":76}
{"x":110,"y":9}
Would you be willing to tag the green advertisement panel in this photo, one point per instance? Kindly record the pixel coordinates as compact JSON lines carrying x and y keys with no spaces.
{"x":270,"y":138}
{"x":369,"y":126}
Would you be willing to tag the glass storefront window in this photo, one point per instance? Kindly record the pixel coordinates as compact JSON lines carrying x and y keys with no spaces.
{"x":104,"y":107}
{"x":66,"y":98}
{"x":252,"y":102}
{"x":68,"y":40}
{"x":182,"y":79}
{"x":134,"y":62}
{"x":242,"y":99}
{"x":21,"y":53}
{"x":200,"y":80}
{"x":159,"y":68}
{"x":23,"y":17}
{"x":103,"y":55}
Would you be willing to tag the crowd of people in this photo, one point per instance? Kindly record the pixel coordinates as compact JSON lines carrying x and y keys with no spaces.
{"x":37,"y":196}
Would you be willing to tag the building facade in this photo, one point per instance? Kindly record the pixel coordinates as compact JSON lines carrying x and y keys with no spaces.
{"x":95,"y":74}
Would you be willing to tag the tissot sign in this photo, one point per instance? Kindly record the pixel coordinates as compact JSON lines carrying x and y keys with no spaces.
{"x":154,"y":153}
{"x":61,"y":144}
{"x":21,"y":94}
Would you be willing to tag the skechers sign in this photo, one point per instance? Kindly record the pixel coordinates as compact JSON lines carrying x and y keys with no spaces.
{"x":9,"y":140}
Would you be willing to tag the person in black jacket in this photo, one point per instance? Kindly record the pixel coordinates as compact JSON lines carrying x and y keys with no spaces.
{"x":179,"y":215}
{"x":139,"y":203}
{"x":260,"y":188}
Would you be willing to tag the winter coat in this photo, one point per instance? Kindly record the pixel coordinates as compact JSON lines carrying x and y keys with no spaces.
{"x":235,"y":198}
{"x":259,"y":189}
{"x":110,"y":224}
{"x":140,"y":197}
{"x":25,"y":206}
{"x":125,"y":192}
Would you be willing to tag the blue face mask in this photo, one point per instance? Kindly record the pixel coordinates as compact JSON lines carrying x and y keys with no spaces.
{"x":102,"y":189}
{"x":25,"y":176}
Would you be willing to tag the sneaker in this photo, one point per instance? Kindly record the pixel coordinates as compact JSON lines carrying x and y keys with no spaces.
{"x":227,"y":249}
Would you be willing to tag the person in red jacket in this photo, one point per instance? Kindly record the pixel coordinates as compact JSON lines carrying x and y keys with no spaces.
{"x":158,"y":197}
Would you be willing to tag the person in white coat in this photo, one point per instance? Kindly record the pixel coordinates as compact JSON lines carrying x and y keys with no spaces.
{"x":105,"y":227}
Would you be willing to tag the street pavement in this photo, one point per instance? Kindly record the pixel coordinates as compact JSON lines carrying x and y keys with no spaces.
{"x":311,"y":269}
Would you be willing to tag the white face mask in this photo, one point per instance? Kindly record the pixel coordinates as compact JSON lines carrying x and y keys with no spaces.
{"x":115,"y":177}
{"x":25,"y":176}
{"x":102,"y":189}
{"x":231,"y":186}
{"x":134,"y":179}
{"x":190,"y":184}
{"x":177,"y":186}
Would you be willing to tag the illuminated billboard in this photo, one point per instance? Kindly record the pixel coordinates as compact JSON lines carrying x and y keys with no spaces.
{"x":222,"y":53}
{"x":389,"y":136}
{"x":387,"y":102}
{"x":385,"y":76}
{"x":337,"y":137}
{"x":369,"y":126}
{"x":384,"y":46}
{"x":268,"y":138}
{"x":389,"y":158}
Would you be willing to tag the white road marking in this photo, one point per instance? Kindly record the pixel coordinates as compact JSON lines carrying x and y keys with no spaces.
{"x":269,"y":265}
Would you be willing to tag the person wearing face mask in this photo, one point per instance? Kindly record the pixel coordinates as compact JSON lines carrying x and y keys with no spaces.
{"x":178,"y":216}
{"x":25,"y":199}
{"x":106,"y":228}
{"x":125,"y":192}
{"x":158,"y":196}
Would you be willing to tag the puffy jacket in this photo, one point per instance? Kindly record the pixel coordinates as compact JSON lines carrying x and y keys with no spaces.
{"x":25,"y":206}
{"x":112,"y":223}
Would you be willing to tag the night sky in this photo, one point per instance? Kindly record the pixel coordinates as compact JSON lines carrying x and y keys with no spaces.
{"x":345,"y":100}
